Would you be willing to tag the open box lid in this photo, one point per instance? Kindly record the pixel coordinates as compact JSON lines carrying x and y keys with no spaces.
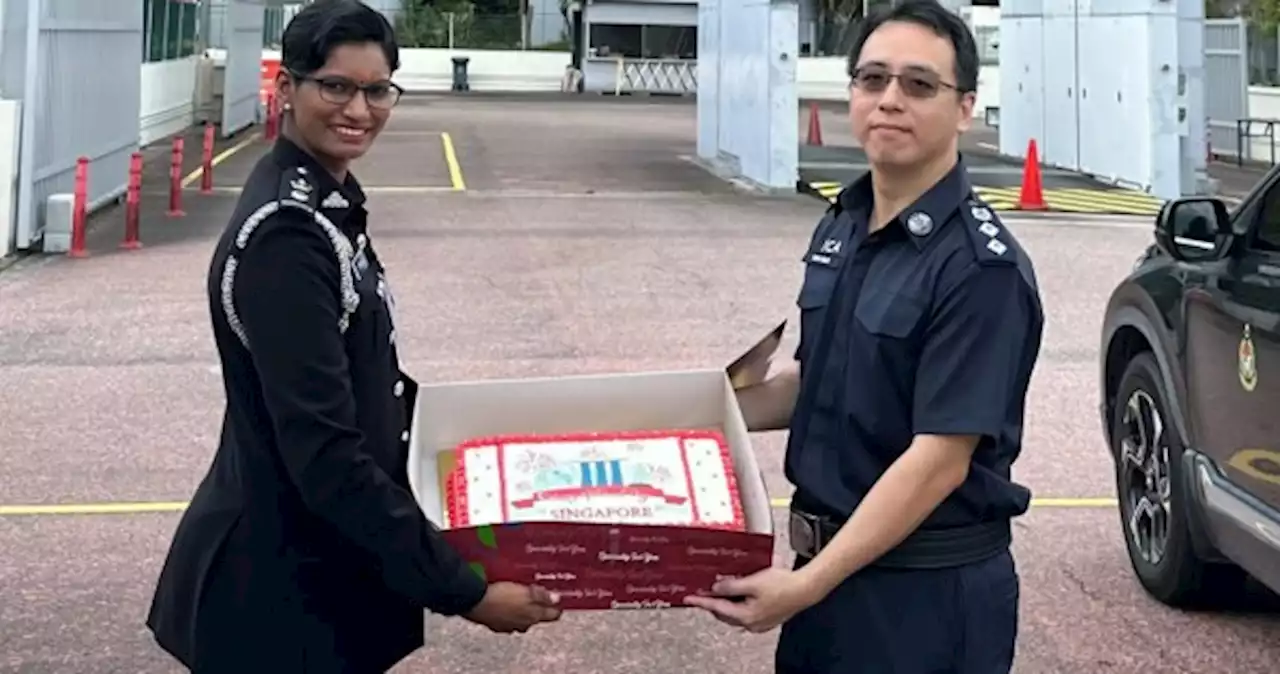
{"x":449,"y":413}
{"x":753,"y":366}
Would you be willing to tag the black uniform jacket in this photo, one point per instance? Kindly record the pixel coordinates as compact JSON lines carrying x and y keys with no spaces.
{"x":303,"y":549}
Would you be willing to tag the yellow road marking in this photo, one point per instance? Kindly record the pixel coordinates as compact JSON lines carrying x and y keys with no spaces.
{"x":145,"y":507}
{"x":451,"y":158}
{"x":221,"y":157}
{"x":93,"y":508}
{"x":1115,"y":201}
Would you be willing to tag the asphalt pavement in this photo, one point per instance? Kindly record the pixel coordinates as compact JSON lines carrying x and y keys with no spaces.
{"x":565,"y":238}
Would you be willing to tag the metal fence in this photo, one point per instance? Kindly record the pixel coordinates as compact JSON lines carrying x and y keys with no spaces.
{"x":534,"y":30}
{"x":64,"y":59}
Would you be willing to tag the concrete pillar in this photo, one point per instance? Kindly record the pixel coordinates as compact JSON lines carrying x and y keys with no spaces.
{"x":747,"y":103}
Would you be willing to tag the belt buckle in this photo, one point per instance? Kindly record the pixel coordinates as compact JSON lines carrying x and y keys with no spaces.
{"x":805,"y":534}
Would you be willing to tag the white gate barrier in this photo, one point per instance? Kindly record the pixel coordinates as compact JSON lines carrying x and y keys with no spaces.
{"x":657,"y":76}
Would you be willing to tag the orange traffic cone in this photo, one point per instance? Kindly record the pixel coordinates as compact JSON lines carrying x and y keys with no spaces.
{"x":815,"y":126}
{"x":1032,"y":195}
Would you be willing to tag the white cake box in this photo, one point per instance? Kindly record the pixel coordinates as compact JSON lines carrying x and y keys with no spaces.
{"x":598,"y":566}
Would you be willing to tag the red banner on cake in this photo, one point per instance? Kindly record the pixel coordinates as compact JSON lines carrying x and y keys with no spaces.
{"x":570,"y":493}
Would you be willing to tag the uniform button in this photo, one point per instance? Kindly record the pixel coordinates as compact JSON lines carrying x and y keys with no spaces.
{"x":398,"y":389}
{"x":404,"y":437}
{"x":361,"y":240}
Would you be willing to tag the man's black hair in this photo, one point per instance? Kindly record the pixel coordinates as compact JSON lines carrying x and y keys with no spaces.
{"x":324,"y":25}
{"x":935,"y":17}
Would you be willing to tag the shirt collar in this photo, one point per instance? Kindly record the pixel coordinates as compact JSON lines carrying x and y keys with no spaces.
{"x":338,"y":200}
{"x":923,"y":218}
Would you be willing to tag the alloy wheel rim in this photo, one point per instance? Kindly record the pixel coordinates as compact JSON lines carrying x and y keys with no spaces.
{"x":1144,"y":471}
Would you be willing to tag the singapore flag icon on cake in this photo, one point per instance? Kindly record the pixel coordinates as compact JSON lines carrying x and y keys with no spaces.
{"x":668,"y":477}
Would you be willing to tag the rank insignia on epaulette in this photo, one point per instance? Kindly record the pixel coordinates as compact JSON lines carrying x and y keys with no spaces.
{"x":301,"y":189}
{"x":297,"y":187}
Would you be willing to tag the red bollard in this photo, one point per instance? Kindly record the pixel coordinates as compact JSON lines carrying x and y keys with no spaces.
{"x":206,"y":161}
{"x":133,"y":204}
{"x":80,"y":207}
{"x":269,"y":133}
{"x":175,"y":180}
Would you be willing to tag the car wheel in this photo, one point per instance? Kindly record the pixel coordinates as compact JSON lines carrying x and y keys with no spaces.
{"x":1153,"y":499}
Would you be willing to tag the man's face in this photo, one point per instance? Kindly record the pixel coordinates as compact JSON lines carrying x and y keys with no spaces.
{"x":903,"y":102}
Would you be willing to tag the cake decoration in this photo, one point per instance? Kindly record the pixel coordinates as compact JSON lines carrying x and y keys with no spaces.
{"x":661,"y":477}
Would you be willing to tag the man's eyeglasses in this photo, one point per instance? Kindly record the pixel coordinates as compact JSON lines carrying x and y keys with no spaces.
{"x":341,"y":91}
{"x":915,"y":83}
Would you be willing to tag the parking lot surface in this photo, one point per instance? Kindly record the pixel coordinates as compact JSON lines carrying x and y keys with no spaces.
{"x":522,"y":238}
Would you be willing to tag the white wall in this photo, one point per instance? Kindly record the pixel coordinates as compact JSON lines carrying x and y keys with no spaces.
{"x":1264,"y":103}
{"x":423,"y":70}
{"x":10,"y":115}
{"x":642,"y":13}
{"x":168,"y":90}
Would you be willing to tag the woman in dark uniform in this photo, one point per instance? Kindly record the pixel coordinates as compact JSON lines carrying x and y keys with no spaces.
{"x":303,"y":550}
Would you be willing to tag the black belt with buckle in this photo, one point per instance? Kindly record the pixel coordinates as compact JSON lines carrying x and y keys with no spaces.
{"x":923,"y":549}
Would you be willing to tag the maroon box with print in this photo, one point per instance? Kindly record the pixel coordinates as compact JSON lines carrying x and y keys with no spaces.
{"x":599,"y":566}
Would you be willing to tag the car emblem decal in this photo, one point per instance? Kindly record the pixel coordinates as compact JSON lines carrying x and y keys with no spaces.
{"x":1248,"y":359}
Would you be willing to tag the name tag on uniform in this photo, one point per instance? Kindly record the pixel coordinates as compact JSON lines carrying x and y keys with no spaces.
{"x":826,"y":253}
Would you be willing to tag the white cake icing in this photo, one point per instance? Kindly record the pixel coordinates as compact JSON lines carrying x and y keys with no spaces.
{"x":601,"y":479}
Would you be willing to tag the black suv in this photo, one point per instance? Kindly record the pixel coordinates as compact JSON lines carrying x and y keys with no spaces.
{"x":1190,"y":406}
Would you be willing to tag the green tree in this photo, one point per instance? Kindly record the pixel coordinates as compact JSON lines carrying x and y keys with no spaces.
{"x":1264,"y":14}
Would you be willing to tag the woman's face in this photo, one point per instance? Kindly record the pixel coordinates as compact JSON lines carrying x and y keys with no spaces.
{"x":332,"y":116}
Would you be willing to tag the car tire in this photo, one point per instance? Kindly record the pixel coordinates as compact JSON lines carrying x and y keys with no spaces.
{"x":1178,"y":577}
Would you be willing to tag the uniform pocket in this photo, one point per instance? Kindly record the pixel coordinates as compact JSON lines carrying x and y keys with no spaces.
{"x":819,"y":284}
{"x":890,"y":314}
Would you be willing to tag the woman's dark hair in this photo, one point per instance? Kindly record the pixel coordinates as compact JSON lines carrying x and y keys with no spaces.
{"x":935,"y":17}
{"x":324,"y":25}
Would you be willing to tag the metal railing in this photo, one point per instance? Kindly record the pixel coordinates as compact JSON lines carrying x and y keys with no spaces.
{"x":657,"y":76}
{"x":531,"y":31}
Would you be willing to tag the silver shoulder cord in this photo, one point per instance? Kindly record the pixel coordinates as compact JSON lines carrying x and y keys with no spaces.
{"x":341,"y":248}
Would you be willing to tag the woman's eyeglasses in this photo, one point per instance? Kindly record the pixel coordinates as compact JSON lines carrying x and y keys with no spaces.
{"x":341,"y":91}
{"x":915,"y":83}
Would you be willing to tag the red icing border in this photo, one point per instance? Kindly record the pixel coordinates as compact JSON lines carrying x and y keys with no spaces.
{"x":456,"y":498}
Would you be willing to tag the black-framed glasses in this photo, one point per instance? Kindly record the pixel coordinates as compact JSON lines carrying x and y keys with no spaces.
{"x":341,"y":90}
{"x":914,"y":82}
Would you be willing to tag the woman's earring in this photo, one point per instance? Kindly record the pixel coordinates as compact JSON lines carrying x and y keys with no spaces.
{"x":288,"y":106}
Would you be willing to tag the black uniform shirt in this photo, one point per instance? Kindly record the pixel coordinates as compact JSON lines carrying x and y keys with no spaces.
{"x":932,"y":325}
{"x":304,"y":539}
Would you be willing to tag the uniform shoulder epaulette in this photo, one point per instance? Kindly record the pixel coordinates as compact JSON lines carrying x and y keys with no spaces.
{"x":297,"y":191}
{"x":991,"y":244}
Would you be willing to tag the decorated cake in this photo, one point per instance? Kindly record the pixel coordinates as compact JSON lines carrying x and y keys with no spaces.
{"x":676,"y":478}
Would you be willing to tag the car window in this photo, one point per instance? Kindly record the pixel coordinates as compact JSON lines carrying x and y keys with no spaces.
{"x":1267,"y":228}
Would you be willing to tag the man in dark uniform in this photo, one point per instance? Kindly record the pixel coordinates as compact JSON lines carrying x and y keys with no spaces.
{"x":921,"y":323}
{"x":303,"y":549}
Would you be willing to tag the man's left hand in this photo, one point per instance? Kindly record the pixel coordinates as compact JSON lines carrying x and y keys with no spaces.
{"x":760,"y":602}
